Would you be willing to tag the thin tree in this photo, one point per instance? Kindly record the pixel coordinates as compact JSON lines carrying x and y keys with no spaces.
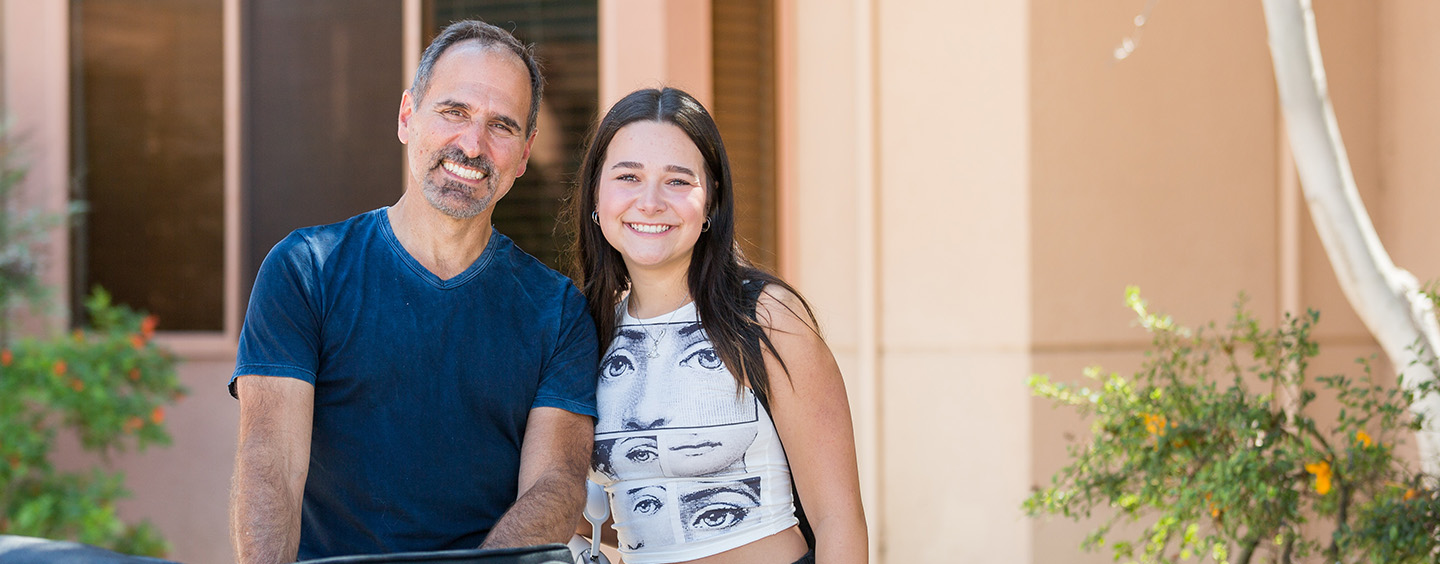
{"x":1386,"y":297}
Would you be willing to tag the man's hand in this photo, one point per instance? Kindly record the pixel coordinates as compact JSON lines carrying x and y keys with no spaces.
{"x":271,"y":461}
{"x":553,"y":461}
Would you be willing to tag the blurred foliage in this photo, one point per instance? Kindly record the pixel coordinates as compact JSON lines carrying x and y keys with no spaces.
{"x":1211,"y":451}
{"x":106,"y":384}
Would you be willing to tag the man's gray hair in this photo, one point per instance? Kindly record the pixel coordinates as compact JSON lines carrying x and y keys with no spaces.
{"x":488,"y":36}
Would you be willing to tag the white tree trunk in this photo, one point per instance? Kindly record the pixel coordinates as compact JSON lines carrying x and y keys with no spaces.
{"x":1386,"y":298}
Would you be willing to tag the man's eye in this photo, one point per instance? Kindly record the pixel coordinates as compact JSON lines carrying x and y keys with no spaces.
{"x":719,"y":516}
{"x":615,"y":366}
{"x":703,"y":359}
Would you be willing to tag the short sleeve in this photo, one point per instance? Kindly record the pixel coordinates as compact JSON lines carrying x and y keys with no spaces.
{"x":568,"y":379}
{"x":281,"y":334}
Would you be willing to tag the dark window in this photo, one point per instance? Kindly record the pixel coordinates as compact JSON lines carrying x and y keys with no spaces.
{"x":147,"y":91}
{"x":744,"y":78}
{"x":565,"y":34}
{"x":322,"y":87}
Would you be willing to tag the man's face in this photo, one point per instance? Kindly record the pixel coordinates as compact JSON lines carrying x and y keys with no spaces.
{"x":465,"y":141}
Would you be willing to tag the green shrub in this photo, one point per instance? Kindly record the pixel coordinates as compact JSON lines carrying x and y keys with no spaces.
{"x":108,"y":384}
{"x":1202,"y":449}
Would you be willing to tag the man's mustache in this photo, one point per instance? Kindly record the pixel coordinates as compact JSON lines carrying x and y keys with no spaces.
{"x":480,"y":162}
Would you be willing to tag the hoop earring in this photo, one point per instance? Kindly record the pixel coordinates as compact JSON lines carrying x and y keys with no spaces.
{"x":705,"y":226}
{"x":595,"y":217}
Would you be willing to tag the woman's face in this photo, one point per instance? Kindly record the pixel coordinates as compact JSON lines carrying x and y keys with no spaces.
{"x":650,"y":199}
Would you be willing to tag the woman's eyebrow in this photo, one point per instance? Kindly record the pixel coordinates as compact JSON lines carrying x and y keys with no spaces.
{"x":680,"y":169}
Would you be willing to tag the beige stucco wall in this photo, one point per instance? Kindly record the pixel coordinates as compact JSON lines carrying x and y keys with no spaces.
{"x":967,"y":187}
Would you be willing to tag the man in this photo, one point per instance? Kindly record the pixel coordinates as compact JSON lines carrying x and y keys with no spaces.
{"x":408,"y":379}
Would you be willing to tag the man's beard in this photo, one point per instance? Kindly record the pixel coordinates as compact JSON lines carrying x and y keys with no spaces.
{"x":455,"y":199}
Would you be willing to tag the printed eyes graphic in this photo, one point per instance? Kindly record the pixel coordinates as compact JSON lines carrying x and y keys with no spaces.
{"x":647,"y":504}
{"x":703,"y":359}
{"x":643,"y":453}
{"x":616,"y":365}
{"x":719,"y":516}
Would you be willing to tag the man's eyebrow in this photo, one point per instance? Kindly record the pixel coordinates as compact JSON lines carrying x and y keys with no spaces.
{"x":447,"y":103}
{"x":507,"y":120}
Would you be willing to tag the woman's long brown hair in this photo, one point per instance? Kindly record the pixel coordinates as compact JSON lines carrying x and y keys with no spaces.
{"x":717,"y":266}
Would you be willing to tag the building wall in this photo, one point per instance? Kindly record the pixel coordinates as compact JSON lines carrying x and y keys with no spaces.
{"x":966,"y":189}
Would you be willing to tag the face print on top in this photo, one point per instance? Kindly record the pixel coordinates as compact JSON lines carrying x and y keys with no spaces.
{"x":676,"y":414}
{"x":655,"y":515}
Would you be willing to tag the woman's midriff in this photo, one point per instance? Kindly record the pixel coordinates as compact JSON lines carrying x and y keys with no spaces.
{"x":783,"y":547}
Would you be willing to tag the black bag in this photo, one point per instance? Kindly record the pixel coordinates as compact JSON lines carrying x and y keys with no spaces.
{"x":752,"y":289}
{"x":30,"y":550}
{"x":542,"y":554}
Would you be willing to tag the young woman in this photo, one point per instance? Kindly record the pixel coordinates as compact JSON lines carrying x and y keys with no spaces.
{"x":716,"y":393}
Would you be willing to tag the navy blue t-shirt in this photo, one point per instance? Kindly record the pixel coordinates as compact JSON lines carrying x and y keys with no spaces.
{"x":422,"y":385}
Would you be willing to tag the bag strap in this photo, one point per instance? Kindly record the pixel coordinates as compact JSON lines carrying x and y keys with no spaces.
{"x":750,"y":292}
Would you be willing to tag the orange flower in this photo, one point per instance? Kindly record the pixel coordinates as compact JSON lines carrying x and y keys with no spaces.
{"x":147,"y":327}
{"x":6,"y":357}
{"x":77,"y":385}
{"x":61,"y":368}
{"x":158,"y":416}
{"x":137,"y":341}
{"x":134,"y":375}
{"x":1363,"y":438}
{"x":1322,"y":473}
{"x":1410,"y":494}
{"x":1155,"y":424}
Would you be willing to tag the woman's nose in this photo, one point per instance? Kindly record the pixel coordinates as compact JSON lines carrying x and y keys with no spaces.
{"x":651,"y":198}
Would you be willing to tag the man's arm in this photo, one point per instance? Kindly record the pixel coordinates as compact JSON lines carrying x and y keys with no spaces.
{"x":272,"y":459}
{"x":554,"y":458}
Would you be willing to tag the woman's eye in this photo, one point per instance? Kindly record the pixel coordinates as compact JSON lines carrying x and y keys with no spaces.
{"x":627,"y":177}
{"x":719,"y":516}
{"x":648,"y":505}
{"x":615,"y":366}
{"x":703,"y":359}
{"x":642,"y":455}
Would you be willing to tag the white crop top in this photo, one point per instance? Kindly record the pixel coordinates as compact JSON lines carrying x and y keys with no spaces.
{"x":691,"y":468}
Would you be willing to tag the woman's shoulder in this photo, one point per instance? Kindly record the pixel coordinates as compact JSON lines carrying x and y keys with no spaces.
{"x":779,"y":308}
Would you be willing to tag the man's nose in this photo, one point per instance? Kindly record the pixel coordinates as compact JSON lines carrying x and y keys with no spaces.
{"x":472,"y":140}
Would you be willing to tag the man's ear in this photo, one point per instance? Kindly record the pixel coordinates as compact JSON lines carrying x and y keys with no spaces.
{"x":525,"y":159}
{"x":407,"y":110}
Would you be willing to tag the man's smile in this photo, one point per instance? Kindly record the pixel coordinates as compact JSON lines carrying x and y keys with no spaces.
{"x":463,"y":171}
